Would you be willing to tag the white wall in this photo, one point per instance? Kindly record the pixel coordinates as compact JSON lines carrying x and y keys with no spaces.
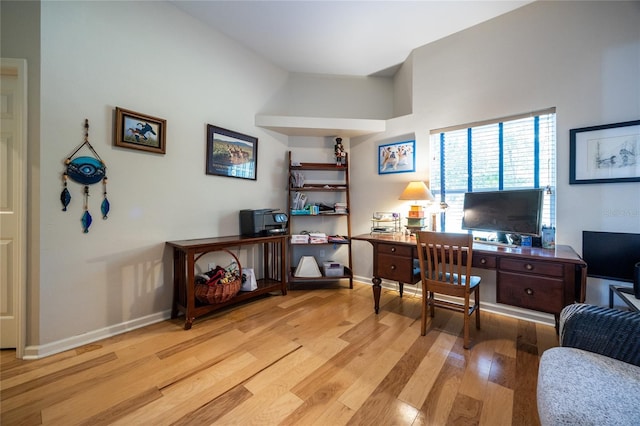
{"x":329,"y":96}
{"x":581,"y":57}
{"x":153,"y":59}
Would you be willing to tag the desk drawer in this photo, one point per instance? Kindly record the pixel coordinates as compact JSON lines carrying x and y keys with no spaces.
{"x":483,"y":261}
{"x":532,"y":267}
{"x":395,"y":268}
{"x":396,"y":250}
{"x":530,"y":292}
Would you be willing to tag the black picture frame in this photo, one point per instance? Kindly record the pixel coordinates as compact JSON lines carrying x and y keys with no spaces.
{"x":231,"y":154}
{"x":607,"y":153}
{"x":143,"y":132}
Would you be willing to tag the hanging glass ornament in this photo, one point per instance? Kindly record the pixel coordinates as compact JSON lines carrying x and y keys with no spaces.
{"x":85,"y":170}
{"x":65,"y":196}
{"x":104,"y":207}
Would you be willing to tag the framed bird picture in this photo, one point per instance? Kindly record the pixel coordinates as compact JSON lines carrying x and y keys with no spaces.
{"x":139,"y":131}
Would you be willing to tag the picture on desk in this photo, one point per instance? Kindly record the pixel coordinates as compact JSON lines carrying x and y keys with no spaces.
{"x":398,"y":157}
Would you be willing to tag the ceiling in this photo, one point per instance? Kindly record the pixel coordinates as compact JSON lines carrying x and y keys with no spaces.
{"x":358,"y":38}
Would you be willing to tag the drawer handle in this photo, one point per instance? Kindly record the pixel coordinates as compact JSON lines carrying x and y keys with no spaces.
{"x":483,"y":261}
{"x":393,"y":267}
{"x":393,"y":249}
{"x":528,"y":291}
{"x":528,"y":267}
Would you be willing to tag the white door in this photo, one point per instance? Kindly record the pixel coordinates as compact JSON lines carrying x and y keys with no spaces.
{"x":13,"y":152}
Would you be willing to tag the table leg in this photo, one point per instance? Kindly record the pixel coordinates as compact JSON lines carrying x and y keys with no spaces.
{"x":400,"y":287}
{"x":376,"y":293}
{"x":610,"y":296}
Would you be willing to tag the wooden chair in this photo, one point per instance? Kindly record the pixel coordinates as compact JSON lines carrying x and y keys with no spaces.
{"x":445,"y":268}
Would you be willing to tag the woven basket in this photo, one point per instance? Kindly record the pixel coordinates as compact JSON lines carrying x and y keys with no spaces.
{"x":218,"y":292}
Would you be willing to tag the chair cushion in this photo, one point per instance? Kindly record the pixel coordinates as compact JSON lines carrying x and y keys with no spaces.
{"x":577,"y":387}
{"x":474,"y":280}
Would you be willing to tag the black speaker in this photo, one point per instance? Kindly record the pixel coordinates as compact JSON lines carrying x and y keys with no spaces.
{"x":636,"y":281}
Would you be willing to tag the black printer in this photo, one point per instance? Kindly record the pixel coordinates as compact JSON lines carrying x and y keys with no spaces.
{"x":262,"y":222}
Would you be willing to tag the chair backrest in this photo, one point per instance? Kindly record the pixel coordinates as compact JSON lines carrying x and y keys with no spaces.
{"x":445,"y":261}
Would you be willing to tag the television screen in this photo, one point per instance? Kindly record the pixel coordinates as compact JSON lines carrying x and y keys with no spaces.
{"x":510,"y":212}
{"x":610,"y":255}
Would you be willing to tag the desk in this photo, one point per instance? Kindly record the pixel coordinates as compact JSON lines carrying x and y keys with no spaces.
{"x":626,"y":295}
{"x":187,"y":252}
{"x":534,"y":278}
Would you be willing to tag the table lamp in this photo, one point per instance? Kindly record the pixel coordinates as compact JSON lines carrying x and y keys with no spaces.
{"x":416,"y":191}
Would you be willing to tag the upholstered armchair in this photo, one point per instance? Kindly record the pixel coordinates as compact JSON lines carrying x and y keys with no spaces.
{"x":593,"y":378}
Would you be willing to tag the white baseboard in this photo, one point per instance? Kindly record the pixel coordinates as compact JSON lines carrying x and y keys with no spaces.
{"x":40,"y":351}
{"x":495,"y":308}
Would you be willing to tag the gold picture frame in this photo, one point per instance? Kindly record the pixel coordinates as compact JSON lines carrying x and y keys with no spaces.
{"x":143,"y":132}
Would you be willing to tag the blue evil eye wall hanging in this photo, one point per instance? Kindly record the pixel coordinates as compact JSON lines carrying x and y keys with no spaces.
{"x":85,"y":171}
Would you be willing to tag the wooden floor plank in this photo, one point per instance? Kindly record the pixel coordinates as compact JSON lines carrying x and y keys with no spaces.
{"x":312,"y":357}
{"x":441,"y":398}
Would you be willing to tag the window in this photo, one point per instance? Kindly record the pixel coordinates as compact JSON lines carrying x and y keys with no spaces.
{"x":511,"y":153}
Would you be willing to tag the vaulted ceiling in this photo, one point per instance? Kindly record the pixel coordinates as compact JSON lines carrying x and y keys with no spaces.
{"x":359,"y":38}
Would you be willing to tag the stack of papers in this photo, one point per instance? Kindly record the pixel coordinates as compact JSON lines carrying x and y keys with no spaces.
{"x":317,"y":238}
{"x":299,"y":201}
{"x":300,"y":239}
{"x":297,"y":180}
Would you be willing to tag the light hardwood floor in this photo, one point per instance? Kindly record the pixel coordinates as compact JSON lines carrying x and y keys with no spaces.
{"x":319,"y":357}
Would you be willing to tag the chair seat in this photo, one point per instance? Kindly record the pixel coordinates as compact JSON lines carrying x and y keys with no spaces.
{"x":576,"y":387}
{"x":474,"y":280}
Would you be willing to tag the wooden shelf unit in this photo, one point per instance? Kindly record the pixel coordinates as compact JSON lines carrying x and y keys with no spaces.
{"x":341,"y":188}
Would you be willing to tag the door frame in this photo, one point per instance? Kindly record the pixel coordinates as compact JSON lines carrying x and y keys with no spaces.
{"x":19,"y":67}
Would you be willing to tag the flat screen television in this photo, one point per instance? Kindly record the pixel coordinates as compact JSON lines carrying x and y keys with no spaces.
{"x":611,"y":255}
{"x":509,"y":212}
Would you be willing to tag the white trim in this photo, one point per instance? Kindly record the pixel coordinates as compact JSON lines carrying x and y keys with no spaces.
{"x":20,"y":287}
{"x":40,"y":351}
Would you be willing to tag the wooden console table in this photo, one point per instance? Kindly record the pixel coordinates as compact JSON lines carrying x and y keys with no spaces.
{"x":186,"y":252}
{"x":534,"y":278}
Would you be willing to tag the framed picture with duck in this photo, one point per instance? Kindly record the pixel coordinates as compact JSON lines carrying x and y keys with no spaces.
{"x":134,"y":130}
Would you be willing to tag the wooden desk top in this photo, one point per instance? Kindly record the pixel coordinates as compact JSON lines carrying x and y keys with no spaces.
{"x":561,"y":253}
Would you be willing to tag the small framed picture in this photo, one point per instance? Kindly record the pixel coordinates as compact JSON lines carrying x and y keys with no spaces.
{"x":397,"y":157}
{"x":139,"y":131}
{"x":605,"y":154}
{"x":231,"y":153}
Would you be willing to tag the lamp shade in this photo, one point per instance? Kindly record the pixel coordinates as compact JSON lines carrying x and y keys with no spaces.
{"x":417,"y":191}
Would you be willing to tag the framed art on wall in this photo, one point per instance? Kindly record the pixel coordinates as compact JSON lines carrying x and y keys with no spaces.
{"x":397,"y":157}
{"x":231,"y":153}
{"x":140,"y":131}
{"x":605,"y":154}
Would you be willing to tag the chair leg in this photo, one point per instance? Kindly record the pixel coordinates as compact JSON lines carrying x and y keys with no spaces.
{"x":423,"y":319}
{"x":466,"y":330}
{"x":477,"y":301}
{"x":432,"y":307}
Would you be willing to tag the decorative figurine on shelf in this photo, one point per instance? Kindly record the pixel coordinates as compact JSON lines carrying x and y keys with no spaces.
{"x":341,"y":156}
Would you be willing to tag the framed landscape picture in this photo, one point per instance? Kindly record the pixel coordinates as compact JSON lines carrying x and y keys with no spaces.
{"x":231,"y":154}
